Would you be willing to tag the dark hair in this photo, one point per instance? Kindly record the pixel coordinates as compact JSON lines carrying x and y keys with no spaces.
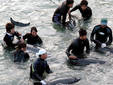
{"x":21,"y":45}
{"x":40,"y":55}
{"x":9,"y":26}
{"x":84,"y":2}
{"x":69,"y":2}
{"x":82,"y":32}
{"x":34,"y":28}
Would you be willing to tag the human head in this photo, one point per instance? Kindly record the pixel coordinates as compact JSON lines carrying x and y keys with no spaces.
{"x":104,"y":22}
{"x":34,"y":31}
{"x":84,"y":4}
{"x":70,"y":3}
{"x":10,"y":28}
{"x":82,"y":34}
{"x":42,"y":54}
{"x":22,"y":46}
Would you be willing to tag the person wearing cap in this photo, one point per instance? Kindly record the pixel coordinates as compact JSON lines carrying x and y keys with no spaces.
{"x":32,"y":38}
{"x":9,"y":36}
{"x":20,"y":55}
{"x":76,"y":49}
{"x":84,"y":9}
{"x":102,"y":35}
{"x":61,"y":12}
{"x":39,"y":67}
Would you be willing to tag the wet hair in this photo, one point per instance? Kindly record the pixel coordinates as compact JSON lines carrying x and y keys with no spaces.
{"x":82,"y":32}
{"x":21,"y":45}
{"x":9,"y":26}
{"x":84,"y":2}
{"x":34,"y":28}
{"x":69,"y":2}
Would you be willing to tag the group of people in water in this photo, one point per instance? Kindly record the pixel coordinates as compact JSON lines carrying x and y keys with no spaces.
{"x":101,"y":36}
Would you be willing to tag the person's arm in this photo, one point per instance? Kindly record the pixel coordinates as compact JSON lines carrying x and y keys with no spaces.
{"x":69,"y":49}
{"x":93,"y":34}
{"x":110,"y":37}
{"x":39,"y":40}
{"x":75,"y":8}
{"x":87,"y":46}
{"x":64,"y":19}
{"x":48,"y":70}
{"x":25,"y":36}
{"x":18,"y":35}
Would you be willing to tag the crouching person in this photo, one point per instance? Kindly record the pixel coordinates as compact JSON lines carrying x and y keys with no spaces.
{"x":40,"y":66}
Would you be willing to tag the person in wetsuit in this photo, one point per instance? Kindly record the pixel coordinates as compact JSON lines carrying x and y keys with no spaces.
{"x":32,"y":38}
{"x":84,"y":9}
{"x":61,"y":12}
{"x":20,"y":55}
{"x":101,"y":35}
{"x":9,"y":37}
{"x":39,"y":67}
{"x":76,"y":49}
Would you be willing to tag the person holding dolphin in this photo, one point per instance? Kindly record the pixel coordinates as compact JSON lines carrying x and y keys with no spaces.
{"x":101,"y":34}
{"x":9,"y":36}
{"x":40,"y":66}
{"x":76,"y":49}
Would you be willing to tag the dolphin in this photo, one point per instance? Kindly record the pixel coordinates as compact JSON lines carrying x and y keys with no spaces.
{"x":20,"y":24}
{"x":61,"y":81}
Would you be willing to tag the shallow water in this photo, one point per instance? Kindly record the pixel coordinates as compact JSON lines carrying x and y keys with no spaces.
{"x":39,"y":13}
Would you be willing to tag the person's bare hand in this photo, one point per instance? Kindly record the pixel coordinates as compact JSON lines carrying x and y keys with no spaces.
{"x":72,"y":57}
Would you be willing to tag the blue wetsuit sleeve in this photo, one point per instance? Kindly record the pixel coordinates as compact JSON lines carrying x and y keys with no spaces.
{"x":69,"y":49}
{"x":110,"y":37}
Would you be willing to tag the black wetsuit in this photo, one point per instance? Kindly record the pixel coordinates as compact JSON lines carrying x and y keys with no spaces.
{"x":86,"y":14}
{"x":60,"y":14}
{"x":101,"y":35}
{"x":8,"y":39}
{"x":32,"y":40}
{"x":77,"y":48}
{"x":20,"y":56}
{"x":38,"y":68}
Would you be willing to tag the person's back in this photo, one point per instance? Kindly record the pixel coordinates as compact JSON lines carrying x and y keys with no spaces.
{"x":60,"y":14}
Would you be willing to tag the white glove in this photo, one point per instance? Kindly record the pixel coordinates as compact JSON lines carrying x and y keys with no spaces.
{"x":43,"y":82}
{"x":103,"y":45}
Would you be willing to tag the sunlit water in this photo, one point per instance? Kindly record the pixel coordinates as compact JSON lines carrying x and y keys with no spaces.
{"x":39,"y":13}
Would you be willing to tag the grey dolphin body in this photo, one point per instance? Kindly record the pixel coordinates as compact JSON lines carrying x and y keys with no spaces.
{"x":61,"y":81}
{"x":20,"y":24}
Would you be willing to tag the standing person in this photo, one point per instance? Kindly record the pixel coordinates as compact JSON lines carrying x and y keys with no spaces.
{"x":102,"y":35}
{"x":20,"y":55}
{"x":61,"y":12}
{"x":84,"y":9}
{"x":9,"y":37}
{"x":32,"y":38}
{"x":76,"y":49}
{"x":39,"y":67}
